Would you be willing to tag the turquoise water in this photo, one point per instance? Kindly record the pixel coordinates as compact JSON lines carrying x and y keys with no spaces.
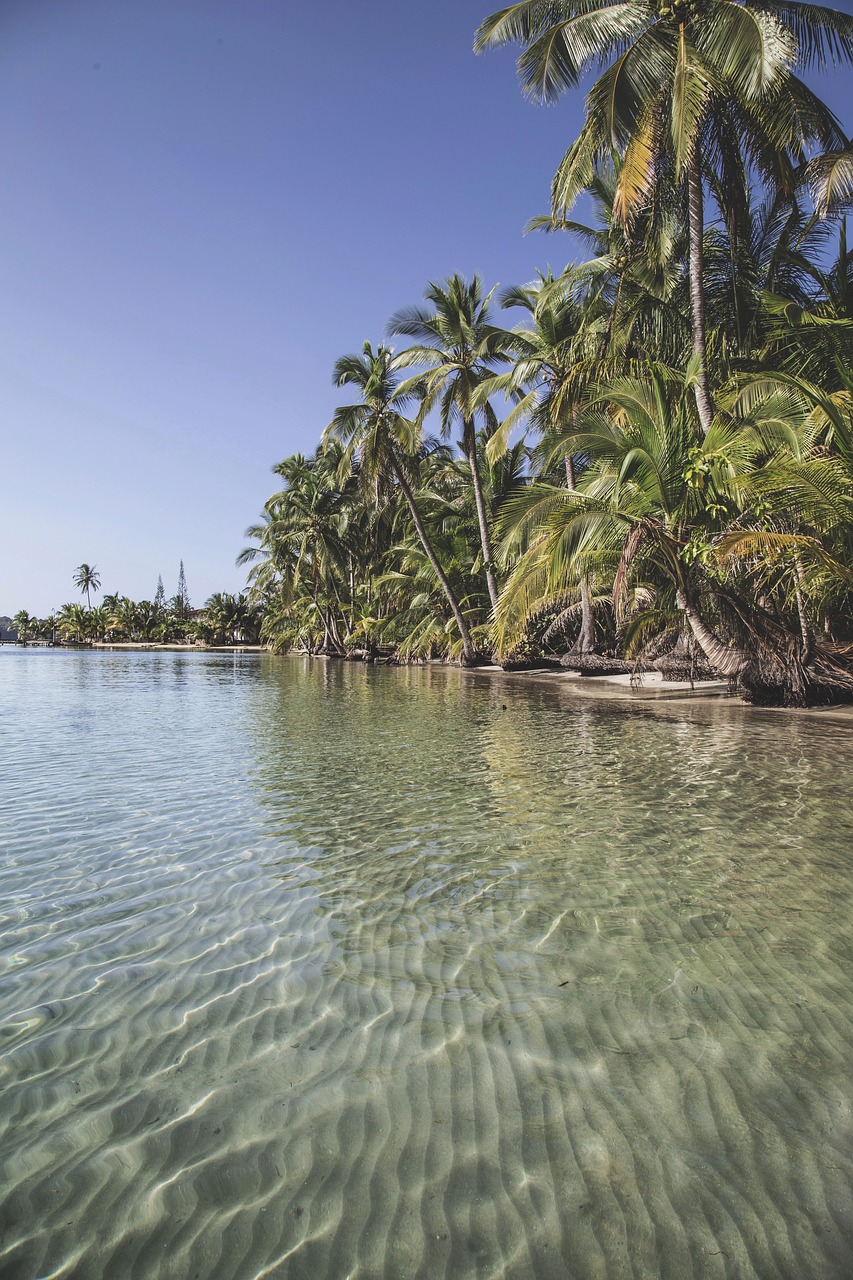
{"x":312,"y":970}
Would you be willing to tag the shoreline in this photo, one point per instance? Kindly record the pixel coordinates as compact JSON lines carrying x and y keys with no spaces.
{"x":648,"y":690}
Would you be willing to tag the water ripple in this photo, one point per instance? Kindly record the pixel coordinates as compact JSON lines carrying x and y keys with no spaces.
{"x":312,"y":971}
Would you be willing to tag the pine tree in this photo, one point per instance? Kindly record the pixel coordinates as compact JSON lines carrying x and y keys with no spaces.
{"x":160,"y":594}
{"x":183,"y":597}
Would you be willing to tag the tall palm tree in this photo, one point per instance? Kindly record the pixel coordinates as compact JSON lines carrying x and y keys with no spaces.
{"x":309,"y":519}
{"x":87,"y":579}
{"x":460,"y":347}
{"x":376,"y":432}
{"x":548,"y":378}
{"x":631,"y":284}
{"x":684,"y":80}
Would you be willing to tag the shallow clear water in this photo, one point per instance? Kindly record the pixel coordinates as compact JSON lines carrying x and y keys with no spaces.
{"x":310,"y":970}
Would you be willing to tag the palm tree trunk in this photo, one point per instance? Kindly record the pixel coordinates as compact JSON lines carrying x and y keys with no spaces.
{"x":696,"y":212}
{"x":468,"y":650}
{"x":803,"y":616}
{"x":728,"y":661}
{"x":585,"y":642}
{"x":485,"y":536}
{"x":335,"y":642}
{"x":351,"y":594}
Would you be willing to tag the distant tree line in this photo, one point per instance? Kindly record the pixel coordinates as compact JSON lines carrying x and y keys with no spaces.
{"x":225,"y":618}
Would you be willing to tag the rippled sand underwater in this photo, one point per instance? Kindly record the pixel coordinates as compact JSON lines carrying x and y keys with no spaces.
{"x":311,"y":970}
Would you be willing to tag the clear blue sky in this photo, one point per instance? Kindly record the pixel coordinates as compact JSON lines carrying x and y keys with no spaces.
{"x":203,"y":203}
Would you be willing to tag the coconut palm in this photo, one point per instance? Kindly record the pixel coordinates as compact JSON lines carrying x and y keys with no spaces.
{"x":768,"y":250}
{"x":803,"y":544}
{"x":552,"y":367}
{"x":307,"y":539}
{"x":737,"y":529}
{"x":631,"y":285}
{"x":811,"y":334}
{"x":123,"y":616}
{"x":461,"y":348}
{"x":23,"y":624}
{"x":99,"y":621}
{"x":377,"y":434}
{"x":73,"y":620}
{"x":47,"y":627}
{"x":653,"y":495}
{"x":830,"y":179}
{"x":229,"y":617}
{"x":87,"y":579}
{"x":304,"y":534}
{"x":684,"y":80}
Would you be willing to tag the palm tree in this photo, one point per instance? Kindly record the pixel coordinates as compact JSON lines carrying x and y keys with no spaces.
{"x":810,"y":333}
{"x":830,"y":178}
{"x":123,"y":616}
{"x":460,"y":347}
{"x":87,"y":579}
{"x":685,"y":80}
{"x":768,"y":249}
{"x":803,"y":544}
{"x":146,"y":619}
{"x":73,"y":620}
{"x":99,"y":621}
{"x":376,"y":433}
{"x":654,"y":494}
{"x":631,"y":286}
{"x":304,"y":539}
{"x":228,"y":617}
{"x":23,"y":623}
{"x":548,"y":379}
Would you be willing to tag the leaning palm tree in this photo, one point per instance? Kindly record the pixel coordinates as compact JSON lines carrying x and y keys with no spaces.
{"x":87,"y":579}
{"x":377,"y":434}
{"x":460,"y":347}
{"x":684,"y":86}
